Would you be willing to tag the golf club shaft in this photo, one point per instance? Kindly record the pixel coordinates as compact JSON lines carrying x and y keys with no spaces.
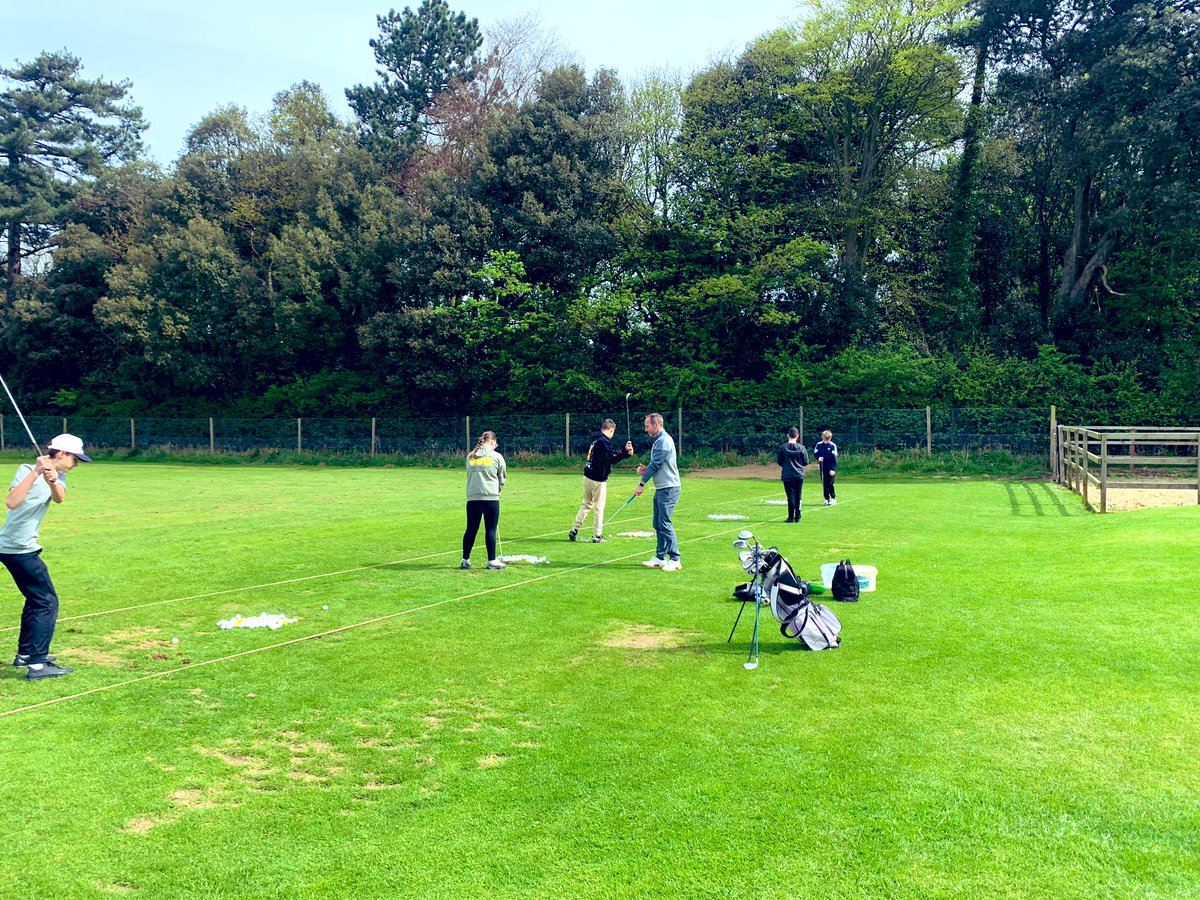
{"x":13,"y":401}
{"x":632,"y":497}
{"x":628,"y":421}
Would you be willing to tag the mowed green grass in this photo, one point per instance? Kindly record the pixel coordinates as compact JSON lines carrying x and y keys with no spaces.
{"x":1013,"y":713}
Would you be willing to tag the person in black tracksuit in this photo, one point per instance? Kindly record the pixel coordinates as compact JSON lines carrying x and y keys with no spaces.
{"x":792,"y":458}
{"x":600,"y":459}
{"x":826,"y":453}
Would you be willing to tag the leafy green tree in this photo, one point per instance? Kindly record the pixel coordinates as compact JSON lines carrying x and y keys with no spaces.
{"x":420,"y":54}
{"x":879,"y":90}
{"x":551,"y":178}
{"x":56,"y":130}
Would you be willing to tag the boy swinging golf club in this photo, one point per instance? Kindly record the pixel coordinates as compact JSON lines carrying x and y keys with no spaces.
{"x":600,"y":459}
{"x":29,"y":496}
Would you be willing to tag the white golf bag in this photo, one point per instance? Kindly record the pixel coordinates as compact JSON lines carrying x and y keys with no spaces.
{"x":813,"y":625}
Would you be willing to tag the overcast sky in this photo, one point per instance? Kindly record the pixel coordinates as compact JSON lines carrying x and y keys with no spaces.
{"x":187,"y":59}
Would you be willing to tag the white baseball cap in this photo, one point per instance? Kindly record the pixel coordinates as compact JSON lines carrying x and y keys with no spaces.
{"x":68,"y":443}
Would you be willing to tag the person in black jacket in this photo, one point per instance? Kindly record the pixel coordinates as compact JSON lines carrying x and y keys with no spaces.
{"x":600,"y":459}
{"x":792,"y":458}
{"x":826,"y":453}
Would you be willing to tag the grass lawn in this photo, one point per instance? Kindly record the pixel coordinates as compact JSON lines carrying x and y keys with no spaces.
{"x":1015,"y":712}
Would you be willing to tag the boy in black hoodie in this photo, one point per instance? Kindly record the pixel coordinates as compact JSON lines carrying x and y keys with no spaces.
{"x":600,"y":459}
{"x":792,"y":458}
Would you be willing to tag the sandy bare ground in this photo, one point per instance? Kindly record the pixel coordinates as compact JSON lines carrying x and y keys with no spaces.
{"x":1119,"y":499}
{"x":1126,"y":499}
{"x":765,"y":473}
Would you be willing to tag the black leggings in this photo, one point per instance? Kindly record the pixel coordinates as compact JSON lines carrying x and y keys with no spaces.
{"x":489,"y":511}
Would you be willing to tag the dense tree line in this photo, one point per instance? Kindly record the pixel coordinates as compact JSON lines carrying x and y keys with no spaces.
{"x":963,"y":202}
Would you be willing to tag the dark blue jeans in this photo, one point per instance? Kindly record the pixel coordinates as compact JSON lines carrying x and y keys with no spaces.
{"x":40,"y":614}
{"x":664,"y":505}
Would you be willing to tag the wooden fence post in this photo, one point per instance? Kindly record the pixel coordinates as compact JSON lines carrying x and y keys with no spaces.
{"x":1084,"y":445}
{"x":568,"y":441}
{"x":679,"y":432}
{"x":801,"y":426}
{"x":1104,"y":472}
{"x":372,"y":435}
{"x":928,"y":431}
{"x":132,"y":436}
{"x":65,"y":425}
{"x":1053,"y":438}
{"x":468,"y":419}
{"x":299,"y":439}
{"x":212,"y":443}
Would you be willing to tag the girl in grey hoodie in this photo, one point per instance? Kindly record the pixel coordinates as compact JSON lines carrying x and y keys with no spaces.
{"x":486,"y":471}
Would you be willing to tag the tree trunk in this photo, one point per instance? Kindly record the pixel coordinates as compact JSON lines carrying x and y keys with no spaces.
{"x":12,"y":270}
{"x":1079,"y":238}
{"x":960,"y":238}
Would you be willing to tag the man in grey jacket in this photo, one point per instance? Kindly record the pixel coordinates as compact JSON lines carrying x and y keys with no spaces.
{"x":664,"y":470}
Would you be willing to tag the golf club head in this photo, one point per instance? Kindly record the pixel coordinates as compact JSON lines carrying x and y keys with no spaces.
{"x":750,"y":665}
{"x":745,"y":535}
{"x":740,"y":545}
{"x":746,"y":556}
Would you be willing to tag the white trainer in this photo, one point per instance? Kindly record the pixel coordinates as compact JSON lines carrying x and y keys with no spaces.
{"x":833,"y":502}
{"x":655,"y":563}
{"x":672,"y":565}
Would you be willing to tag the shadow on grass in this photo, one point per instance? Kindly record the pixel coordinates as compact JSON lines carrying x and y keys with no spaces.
{"x":1026,"y":499}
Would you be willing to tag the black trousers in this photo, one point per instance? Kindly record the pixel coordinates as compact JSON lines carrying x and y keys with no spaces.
{"x":793,"y":487}
{"x":489,"y":512}
{"x":827,"y":484}
{"x":40,"y":614}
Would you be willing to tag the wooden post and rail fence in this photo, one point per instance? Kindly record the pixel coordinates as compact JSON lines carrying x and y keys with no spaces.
{"x":1082,"y":457}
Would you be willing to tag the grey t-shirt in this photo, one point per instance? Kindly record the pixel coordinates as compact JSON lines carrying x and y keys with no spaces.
{"x":20,"y":531}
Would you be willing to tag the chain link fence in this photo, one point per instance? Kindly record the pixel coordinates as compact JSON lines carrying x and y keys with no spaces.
{"x":737,"y":431}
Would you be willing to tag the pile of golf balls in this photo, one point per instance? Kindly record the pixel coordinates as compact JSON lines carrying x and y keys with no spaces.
{"x":273,"y":621}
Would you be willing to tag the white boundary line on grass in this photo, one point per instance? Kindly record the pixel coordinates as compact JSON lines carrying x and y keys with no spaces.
{"x":343,"y":628}
{"x":287,"y":581}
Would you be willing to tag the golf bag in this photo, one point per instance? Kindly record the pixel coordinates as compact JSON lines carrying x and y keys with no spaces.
{"x":813,"y":625}
{"x":844,"y":585}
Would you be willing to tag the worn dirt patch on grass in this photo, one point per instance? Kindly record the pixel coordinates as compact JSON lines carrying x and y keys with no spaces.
{"x":94,"y":657}
{"x":647,"y":637}
{"x":763,"y":473}
{"x":491,"y":761}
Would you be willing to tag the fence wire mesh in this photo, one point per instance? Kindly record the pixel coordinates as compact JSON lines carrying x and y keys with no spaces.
{"x":746,"y":431}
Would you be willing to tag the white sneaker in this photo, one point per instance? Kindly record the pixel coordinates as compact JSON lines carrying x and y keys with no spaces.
{"x":828,"y":503}
{"x":672,"y":565}
{"x":655,"y":563}
{"x":833,"y":502}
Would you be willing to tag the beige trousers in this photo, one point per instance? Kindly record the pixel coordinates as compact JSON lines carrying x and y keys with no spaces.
{"x":594,"y":494}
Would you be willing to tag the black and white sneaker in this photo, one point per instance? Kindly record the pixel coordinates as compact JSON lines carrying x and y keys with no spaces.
{"x":495,"y":564}
{"x":466,"y":564}
{"x":46,"y":670}
{"x":598,"y":540}
{"x":571,"y":534}
{"x":21,"y":660}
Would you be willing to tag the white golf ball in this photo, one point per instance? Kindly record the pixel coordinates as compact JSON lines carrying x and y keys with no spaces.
{"x":174,"y":640}
{"x":326,"y":606}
